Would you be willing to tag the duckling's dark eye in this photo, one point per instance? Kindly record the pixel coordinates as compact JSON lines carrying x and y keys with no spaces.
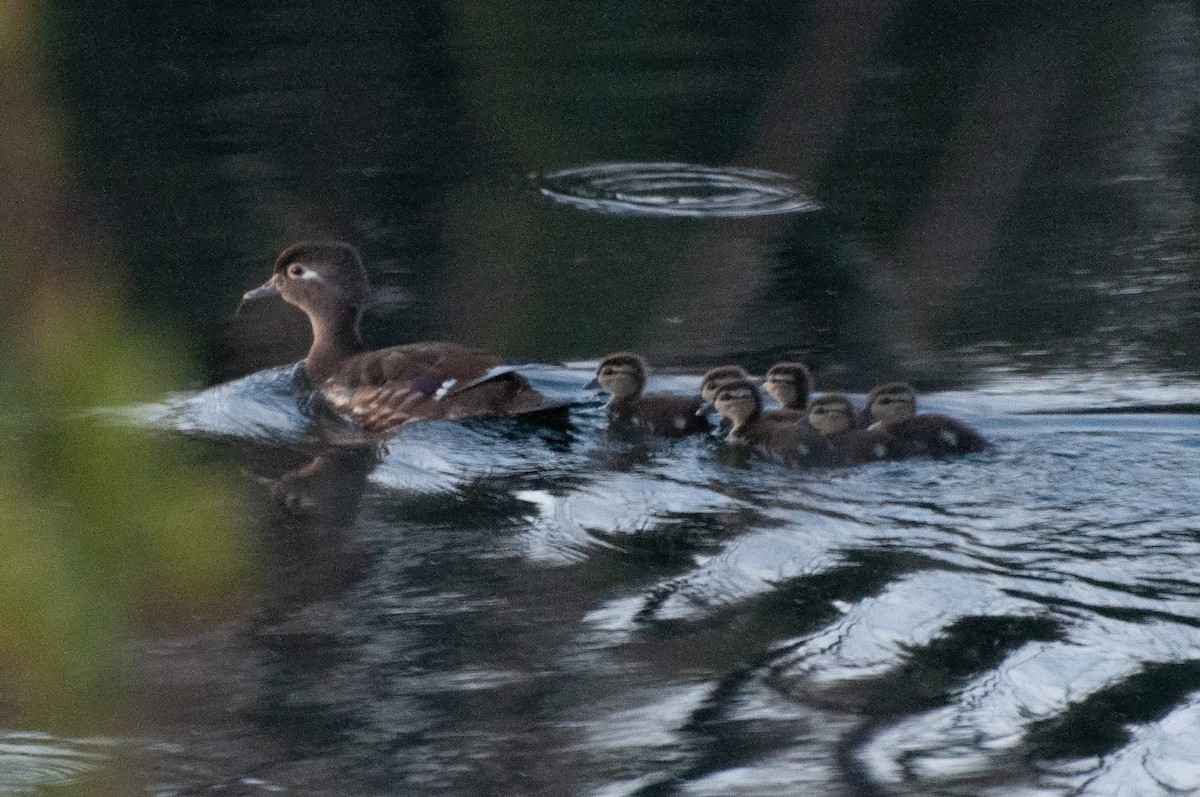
{"x":606,"y":372}
{"x":295,"y":270}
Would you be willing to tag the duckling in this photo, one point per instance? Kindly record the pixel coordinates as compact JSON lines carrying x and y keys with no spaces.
{"x":386,"y":388}
{"x":789,"y":383}
{"x":835,"y":417}
{"x":793,"y":444}
{"x":714,"y":377}
{"x":709,"y":384}
{"x":893,"y":408}
{"x":623,"y":376}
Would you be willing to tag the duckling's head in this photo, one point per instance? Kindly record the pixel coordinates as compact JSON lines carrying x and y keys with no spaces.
{"x":322,"y":278}
{"x":891,"y":402}
{"x":832,"y":414}
{"x":738,"y":400}
{"x":622,"y":375}
{"x":789,"y":384}
{"x":715,"y":377}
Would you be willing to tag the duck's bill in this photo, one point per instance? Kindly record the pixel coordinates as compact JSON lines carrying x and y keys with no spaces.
{"x":262,"y":291}
{"x":593,"y":385}
{"x":705,"y":408}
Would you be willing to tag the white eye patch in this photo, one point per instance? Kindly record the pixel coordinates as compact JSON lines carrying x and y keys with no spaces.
{"x":299,"y":271}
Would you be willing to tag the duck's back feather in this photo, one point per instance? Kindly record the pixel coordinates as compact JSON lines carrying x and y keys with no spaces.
{"x":425,"y":381}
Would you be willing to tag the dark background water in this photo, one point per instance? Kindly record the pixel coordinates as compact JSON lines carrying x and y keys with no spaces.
{"x":1007,"y":184}
{"x":1009,"y":215}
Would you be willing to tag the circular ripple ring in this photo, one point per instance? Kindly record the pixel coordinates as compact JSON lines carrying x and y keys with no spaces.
{"x":676,"y":189}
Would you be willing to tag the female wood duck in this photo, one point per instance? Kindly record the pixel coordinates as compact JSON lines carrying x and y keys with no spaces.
{"x":623,"y":376}
{"x":793,"y":443}
{"x":388,"y":387}
{"x":835,"y":417}
{"x":893,"y":408}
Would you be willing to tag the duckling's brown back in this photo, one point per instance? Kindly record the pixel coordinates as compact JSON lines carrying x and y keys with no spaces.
{"x":789,"y":443}
{"x":858,"y":446}
{"x":663,"y":414}
{"x":936,"y":435}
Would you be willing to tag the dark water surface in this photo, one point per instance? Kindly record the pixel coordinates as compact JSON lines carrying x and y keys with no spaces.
{"x":996,"y":200}
{"x":495,"y":607}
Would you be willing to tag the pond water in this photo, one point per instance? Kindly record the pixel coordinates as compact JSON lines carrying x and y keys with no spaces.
{"x":997,"y":201}
{"x":499,"y":607}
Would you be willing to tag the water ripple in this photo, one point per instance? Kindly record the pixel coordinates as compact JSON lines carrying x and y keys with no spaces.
{"x":676,"y":190}
{"x":31,"y":762}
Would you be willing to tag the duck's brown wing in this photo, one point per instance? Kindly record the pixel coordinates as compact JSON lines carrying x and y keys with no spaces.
{"x":420,"y":364}
{"x":425,"y":381}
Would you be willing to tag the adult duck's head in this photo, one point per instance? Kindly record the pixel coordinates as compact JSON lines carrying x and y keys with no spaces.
{"x":621,"y":375}
{"x":891,"y":402}
{"x":325,"y":279}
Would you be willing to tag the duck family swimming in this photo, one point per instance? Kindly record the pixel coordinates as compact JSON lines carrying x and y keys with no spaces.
{"x":825,"y":430}
{"x":387,"y":388}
